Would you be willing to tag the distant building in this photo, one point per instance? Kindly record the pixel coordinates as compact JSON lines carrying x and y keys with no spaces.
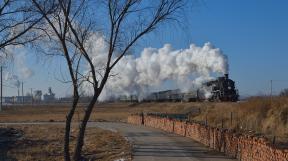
{"x":23,"y":99}
{"x":17,"y":99}
{"x":8,"y":100}
{"x":69,"y":99}
{"x":37,"y":96}
{"x":50,"y":96}
{"x":66,"y":99}
{"x":28,"y":99}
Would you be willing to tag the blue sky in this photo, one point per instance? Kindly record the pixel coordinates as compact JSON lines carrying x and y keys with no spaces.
{"x":252,"y":33}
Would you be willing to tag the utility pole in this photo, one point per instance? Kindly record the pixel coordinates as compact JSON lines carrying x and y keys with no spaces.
{"x":271,"y":91}
{"x":1,"y":91}
{"x":31,"y":96}
{"x":22,"y":94}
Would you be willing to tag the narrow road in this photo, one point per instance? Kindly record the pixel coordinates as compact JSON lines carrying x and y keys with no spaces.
{"x":151,"y":144}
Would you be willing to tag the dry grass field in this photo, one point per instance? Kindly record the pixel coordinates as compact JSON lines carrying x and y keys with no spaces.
{"x":102,"y":111}
{"x":258,"y":114}
{"x":45,"y":143}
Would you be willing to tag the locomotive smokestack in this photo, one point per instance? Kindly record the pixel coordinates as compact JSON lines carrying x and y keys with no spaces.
{"x":226,"y":76}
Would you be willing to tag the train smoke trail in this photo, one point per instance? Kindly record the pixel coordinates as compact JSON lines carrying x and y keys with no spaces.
{"x":188,"y":68}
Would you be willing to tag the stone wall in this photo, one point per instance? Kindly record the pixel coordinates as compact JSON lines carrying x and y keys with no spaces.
{"x":240,"y":146}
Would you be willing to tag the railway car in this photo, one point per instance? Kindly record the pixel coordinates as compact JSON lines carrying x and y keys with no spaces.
{"x":165,"y":96}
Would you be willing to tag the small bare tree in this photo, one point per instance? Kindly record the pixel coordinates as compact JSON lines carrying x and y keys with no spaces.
{"x":284,"y":92}
{"x":72,"y":25}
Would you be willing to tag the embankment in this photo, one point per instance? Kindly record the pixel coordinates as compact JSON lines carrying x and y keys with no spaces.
{"x":241,"y":146}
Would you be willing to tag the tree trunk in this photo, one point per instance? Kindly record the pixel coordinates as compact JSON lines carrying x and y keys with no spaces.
{"x":68,"y":127}
{"x":81,"y":134}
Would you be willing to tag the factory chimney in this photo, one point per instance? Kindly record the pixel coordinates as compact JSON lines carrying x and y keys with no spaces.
{"x":226,"y":76}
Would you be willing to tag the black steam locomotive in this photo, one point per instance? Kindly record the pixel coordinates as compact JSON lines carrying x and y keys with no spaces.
{"x":221,"y":89}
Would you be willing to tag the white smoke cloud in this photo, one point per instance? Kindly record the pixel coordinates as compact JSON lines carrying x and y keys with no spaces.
{"x":19,"y":69}
{"x":13,"y":79}
{"x":188,"y":68}
{"x":20,"y":62}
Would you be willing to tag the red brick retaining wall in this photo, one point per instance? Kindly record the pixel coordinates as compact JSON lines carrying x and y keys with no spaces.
{"x":240,"y":146}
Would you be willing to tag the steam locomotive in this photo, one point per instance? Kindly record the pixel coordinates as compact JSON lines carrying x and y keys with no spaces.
{"x":223,"y":89}
{"x":220,"y":89}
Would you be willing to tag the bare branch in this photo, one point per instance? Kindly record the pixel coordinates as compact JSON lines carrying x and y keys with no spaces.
{"x":71,"y":29}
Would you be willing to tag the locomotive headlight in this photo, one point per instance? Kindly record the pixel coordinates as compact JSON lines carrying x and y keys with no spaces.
{"x":229,"y":87}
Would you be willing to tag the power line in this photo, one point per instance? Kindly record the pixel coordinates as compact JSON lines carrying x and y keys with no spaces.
{"x":279,"y":80}
{"x":5,"y":85}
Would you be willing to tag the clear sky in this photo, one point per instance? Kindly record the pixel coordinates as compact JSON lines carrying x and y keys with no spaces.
{"x":252,"y":33}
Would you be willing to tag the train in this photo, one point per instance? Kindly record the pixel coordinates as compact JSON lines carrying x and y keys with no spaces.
{"x":222,"y":89}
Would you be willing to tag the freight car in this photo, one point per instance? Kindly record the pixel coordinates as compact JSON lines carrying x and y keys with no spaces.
{"x":194,"y":96}
{"x":165,"y":96}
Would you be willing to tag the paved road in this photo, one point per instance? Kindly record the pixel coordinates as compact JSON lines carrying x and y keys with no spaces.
{"x":151,"y":144}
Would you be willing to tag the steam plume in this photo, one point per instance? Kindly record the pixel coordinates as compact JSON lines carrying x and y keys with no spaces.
{"x":188,"y":68}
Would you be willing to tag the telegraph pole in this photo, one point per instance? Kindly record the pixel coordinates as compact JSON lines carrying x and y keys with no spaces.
{"x":271,"y":91}
{"x":271,"y":82}
{"x":22,"y":94}
{"x":31,"y":96}
{"x":1,"y":91}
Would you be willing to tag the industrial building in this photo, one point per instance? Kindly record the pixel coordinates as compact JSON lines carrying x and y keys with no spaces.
{"x":50,"y":96}
{"x":17,"y":99}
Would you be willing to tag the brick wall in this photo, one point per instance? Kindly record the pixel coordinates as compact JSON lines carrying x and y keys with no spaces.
{"x":135,"y":119}
{"x":240,"y":146}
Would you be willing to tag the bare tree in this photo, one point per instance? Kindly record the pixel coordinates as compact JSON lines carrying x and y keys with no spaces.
{"x":58,"y":34}
{"x":16,"y":19}
{"x":284,"y":92}
{"x":73,"y":24}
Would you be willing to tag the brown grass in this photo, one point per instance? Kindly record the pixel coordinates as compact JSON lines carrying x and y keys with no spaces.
{"x":102,"y":111}
{"x":256,"y":114}
{"x":45,"y":143}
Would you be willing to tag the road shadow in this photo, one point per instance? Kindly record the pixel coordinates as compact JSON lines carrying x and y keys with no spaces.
{"x":8,"y":137}
{"x":151,"y":144}
{"x":172,"y":150}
